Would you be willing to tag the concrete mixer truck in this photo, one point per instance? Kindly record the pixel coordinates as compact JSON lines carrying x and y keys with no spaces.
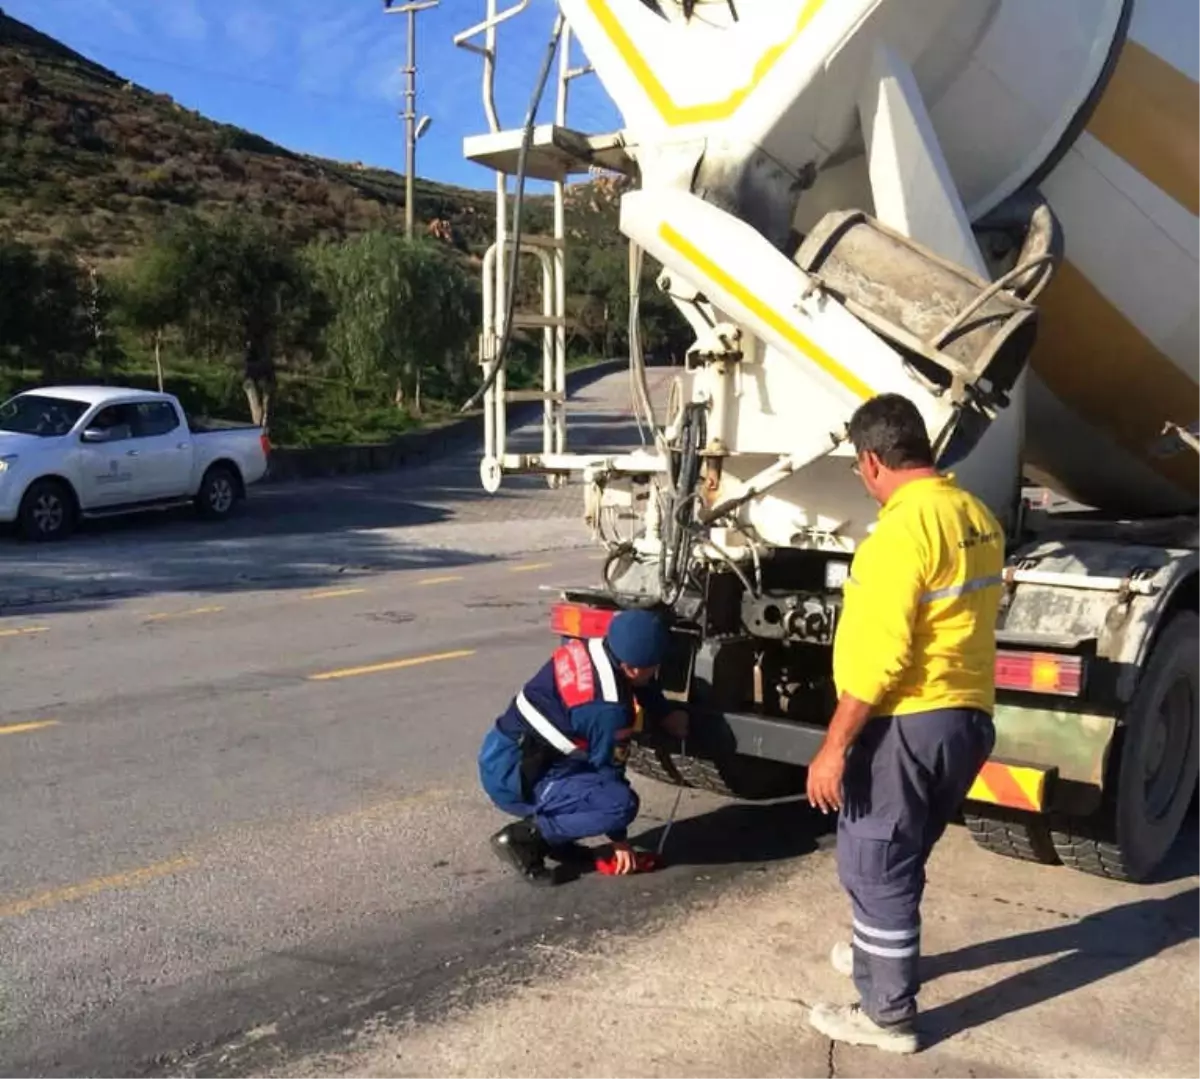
{"x":989,"y":206}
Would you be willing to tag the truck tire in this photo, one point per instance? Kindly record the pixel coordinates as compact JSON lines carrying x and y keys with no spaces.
{"x":1156,"y":782}
{"x":219,"y":492}
{"x":48,"y":511}
{"x":1013,"y":836}
{"x":732,"y":775}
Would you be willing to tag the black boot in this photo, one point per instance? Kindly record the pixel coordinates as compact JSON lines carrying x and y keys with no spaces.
{"x":521,"y":845}
{"x":572,"y":854}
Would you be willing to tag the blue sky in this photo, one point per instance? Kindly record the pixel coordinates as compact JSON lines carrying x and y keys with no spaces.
{"x":321,"y":76}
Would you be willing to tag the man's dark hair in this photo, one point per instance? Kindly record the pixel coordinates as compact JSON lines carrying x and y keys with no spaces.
{"x":890,"y":427}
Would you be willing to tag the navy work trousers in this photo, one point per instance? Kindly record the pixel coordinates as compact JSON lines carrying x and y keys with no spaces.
{"x":906,"y":778}
{"x":578,"y":804}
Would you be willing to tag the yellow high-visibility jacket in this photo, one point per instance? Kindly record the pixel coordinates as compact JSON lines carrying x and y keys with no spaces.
{"x":918,"y":624}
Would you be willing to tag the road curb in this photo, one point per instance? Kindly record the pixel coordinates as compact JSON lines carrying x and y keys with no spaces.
{"x":415,"y":447}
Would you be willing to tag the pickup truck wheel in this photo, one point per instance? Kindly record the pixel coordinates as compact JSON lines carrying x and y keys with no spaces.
{"x":47,"y":511}
{"x":218,"y":493}
{"x":1157,"y":780}
{"x":732,"y":775}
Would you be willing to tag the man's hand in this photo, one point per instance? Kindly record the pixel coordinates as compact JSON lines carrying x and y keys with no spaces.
{"x":825,"y":778}
{"x":829,"y":765}
{"x":676,"y":724}
{"x":623,"y":858}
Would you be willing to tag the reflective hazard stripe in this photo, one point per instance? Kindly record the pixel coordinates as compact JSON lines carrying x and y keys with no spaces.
{"x":1010,"y":785}
{"x":964,"y":589}
{"x":545,"y":728}
{"x":604,"y":668}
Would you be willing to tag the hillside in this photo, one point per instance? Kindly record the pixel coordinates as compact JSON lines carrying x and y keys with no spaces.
{"x":92,"y":162}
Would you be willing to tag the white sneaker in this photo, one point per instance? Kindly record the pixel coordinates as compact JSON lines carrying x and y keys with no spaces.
{"x":841,"y":958}
{"x":849,"y":1023}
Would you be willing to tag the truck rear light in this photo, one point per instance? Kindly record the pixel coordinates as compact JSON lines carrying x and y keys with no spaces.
{"x":265,"y":442}
{"x":577,"y":620}
{"x":1040,"y":672}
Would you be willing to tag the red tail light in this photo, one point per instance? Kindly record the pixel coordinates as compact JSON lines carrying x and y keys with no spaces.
{"x":576,"y":620}
{"x":265,"y":442}
{"x":1040,"y":672}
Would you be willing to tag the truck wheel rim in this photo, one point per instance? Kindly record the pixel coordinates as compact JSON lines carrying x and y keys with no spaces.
{"x":220,"y":495}
{"x":1168,"y":748}
{"x":48,"y":513}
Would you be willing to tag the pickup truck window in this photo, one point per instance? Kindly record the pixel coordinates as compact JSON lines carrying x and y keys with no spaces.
{"x":117,"y":421}
{"x":153,"y":418}
{"x":37,"y":414}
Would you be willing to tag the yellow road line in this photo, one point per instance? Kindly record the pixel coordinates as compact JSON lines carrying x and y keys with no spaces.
{"x":439,"y":580}
{"x":391,"y":665}
{"x":163,"y":616}
{"x":21,"y":728}
{"x":530,"y":566}
{"x":23,"y":631}
{"x":333,"y":593}
{"x":71,"y":892}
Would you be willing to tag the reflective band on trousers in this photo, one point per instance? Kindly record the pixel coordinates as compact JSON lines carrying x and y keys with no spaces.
{"x":885,"y":953}
{"x":888,"y":943}
{"x":964,"y":589}
{"x":544,"y":727}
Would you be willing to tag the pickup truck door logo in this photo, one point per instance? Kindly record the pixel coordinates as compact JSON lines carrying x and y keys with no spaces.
{"x":113,"y":475}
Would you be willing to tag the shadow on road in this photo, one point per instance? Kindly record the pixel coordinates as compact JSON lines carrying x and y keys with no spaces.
{"x":1086,"y":951}
{"x":738,"y":834}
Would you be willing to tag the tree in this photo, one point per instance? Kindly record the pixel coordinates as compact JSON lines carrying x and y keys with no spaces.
{"x":402,"y":311}
{"x":151,"y":297}
{"x":598,"y":277}
{"x":237,"y":290}
{"x":42,"y":310}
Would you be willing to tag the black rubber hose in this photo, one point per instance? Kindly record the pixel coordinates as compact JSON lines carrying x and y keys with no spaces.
{"x":526,"y":139}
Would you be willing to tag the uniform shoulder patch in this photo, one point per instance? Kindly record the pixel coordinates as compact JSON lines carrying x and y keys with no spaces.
{"x":573,"y":676}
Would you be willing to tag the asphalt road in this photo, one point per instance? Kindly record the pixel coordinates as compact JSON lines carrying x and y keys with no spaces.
{"x":239,"y":770}
{"x":261,"y":812}
{"x":323,"y":531}
{"x":242,"y":825}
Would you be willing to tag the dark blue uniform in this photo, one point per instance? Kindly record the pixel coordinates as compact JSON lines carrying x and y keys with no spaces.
{"x":557,"y":753}
{"x":906,"y":777}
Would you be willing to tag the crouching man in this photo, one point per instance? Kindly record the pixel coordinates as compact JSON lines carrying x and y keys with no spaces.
{"x":556,"y":757}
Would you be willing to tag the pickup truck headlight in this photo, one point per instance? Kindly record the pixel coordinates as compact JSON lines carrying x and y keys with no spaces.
{"x":7,"y":461}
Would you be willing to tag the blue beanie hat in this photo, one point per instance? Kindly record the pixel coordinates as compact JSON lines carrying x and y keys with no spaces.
{"x":637,"y":639}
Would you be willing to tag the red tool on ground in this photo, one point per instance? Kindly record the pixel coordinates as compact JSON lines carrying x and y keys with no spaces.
{"x":644,"y":861}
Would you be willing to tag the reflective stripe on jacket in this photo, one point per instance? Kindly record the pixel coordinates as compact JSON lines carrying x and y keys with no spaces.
{"x":918,"y":624}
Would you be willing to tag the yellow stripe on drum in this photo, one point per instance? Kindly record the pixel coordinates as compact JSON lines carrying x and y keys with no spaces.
{"x":1098,"y":363}
{"x":1149,"y":116}
{"x":672,"y":113}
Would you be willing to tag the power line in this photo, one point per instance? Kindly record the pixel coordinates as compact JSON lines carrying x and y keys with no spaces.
{"x":79,"y":43}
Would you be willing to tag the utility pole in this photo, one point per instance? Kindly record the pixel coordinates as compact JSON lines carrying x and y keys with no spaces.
{"x":413,"y":129}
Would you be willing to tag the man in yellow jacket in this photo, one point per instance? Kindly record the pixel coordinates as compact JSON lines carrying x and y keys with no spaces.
{"x":913,"y":662}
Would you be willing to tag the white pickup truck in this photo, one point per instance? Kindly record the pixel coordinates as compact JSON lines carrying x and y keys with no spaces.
{"x":68,"y":452}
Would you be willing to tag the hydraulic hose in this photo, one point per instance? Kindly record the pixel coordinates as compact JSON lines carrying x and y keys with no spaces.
{"x":514,"y":256}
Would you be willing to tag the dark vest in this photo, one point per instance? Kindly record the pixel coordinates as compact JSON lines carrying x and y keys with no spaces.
{"x":539,"y":716}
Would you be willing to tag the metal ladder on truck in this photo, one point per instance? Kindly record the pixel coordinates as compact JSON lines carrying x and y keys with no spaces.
{"x":555,"y":153}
